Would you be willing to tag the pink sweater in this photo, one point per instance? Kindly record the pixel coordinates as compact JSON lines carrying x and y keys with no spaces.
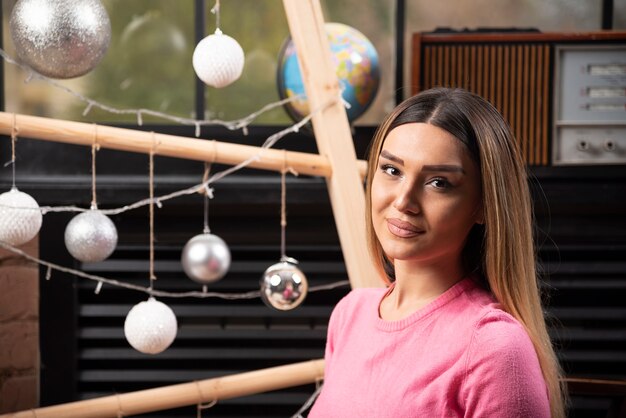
{"x":459,"y":356}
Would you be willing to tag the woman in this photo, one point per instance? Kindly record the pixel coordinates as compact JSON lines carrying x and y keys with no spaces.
{"x":459,"y":332}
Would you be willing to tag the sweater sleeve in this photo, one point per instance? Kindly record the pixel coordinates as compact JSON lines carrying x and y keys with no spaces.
{"x":503,"y":377}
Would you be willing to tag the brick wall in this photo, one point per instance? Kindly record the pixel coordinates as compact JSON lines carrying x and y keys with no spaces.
{"x":19,"y":330}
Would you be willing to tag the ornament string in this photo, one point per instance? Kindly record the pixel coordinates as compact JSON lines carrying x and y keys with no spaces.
{"x":201,"y":406}
{"x":216,"y":11}
{"x":91,"y":103}
{"x":283,"y":205}
{"x":214,"y":155}
{"x":14,"y":131}
{"x":120,"y":411}
{"x":283,"y":211}
{"x":94,"y":148}
{"x":207,"y":194}
{"x":151,"y":187}
{"x":159,"y":293}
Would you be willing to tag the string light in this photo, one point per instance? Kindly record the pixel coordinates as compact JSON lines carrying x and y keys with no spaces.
{"x":152,"y":292}
{"x":205,"y":185}
{"x":308,"y":402}
{"x":231,"y":125}
{"x":268,"y":143}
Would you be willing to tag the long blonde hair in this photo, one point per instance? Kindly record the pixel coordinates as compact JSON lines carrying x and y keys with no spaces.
{"x":502,"y":250}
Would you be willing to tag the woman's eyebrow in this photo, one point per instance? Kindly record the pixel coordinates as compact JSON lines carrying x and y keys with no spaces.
{"x":444,"y":167}
{"x":391,"y":157}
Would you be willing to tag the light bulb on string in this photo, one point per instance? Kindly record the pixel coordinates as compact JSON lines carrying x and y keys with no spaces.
{"x":283,"y":285}
{"x":218,"y":59}
{"x":150,"y":327}
{"x":20,"y":215}
{"x":91,"y":236}
{"x":206,"y":257}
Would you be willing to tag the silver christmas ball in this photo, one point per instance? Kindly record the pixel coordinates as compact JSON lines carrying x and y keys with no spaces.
{"x":218,"y":60}
{"x":60,"y":38}
{"x":91,"y":236}
{"x":205,"y":258}
{"x":150,"y":327}
{"x":20,"y":217}
{"x":283,"y":285}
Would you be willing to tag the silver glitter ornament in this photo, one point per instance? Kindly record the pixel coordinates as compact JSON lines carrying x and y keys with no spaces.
{"x":91,"y":236}
{"x":205,"y":258}
{"x":20,"y":217}
{"x":60,"y":38}
{"x":150,"y":327}
{"x":283,"y":285}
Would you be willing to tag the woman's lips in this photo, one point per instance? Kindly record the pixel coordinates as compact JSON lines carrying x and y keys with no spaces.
{"x":402,"y":229}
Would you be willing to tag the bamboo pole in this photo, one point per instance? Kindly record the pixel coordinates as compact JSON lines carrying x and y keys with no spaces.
{"x":80,"y":133}
{"x":184,"y":394}
{"x":333,"y":136}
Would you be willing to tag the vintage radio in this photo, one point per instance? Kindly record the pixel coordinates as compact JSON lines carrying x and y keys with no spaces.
{"x":564,"y":95}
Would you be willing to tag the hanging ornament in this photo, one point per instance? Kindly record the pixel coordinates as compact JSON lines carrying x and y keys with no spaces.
{"x":206,"y":258}
{"x":20,"y":217}
{"x":150,"y":327}
{"x":218,"y":60}
{"x":91,"y":236}
{"x":283,"y":285}
{"x":60,"y":38}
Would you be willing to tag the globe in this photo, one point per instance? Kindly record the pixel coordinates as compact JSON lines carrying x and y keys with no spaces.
{"x":356,"y":60}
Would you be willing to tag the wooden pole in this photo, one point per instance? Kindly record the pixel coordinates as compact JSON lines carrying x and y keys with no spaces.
{"x":131,"y":140}
{"x":333,"y":136}
{"x":184,"y":394}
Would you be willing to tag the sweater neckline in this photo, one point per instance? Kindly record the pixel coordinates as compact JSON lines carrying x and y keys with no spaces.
{"x":441,"y":300}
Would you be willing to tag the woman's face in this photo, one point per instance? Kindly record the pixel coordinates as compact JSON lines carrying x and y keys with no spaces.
{"x":426,"y":195}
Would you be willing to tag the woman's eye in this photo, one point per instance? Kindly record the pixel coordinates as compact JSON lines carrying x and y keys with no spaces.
{"x":440,"y":183}
{"x":391,"y":170}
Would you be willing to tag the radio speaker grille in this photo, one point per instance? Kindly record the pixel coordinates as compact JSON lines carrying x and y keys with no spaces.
{"x":514,"y":77}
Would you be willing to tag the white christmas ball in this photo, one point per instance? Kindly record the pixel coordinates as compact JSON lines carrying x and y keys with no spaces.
{"x":150,"y":327}
{"x":205,"y":258}
{"x":20,"y":217}
{"x":283,"y":285}
{"x":91,"y":236}
{"x":218,"y":60}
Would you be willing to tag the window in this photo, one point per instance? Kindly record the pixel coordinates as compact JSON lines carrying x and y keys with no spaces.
{"x":148,"y":63}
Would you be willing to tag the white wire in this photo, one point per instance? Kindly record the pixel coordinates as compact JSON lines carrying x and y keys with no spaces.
{"x":118,"y":283}
{"x":308,"y":403}
{"x":231,"y":125}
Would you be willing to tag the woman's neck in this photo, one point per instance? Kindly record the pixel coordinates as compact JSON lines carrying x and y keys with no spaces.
{"x":418,"y":285}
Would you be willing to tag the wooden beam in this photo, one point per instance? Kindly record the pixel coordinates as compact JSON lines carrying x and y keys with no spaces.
{"x":131,"y":140}
{"x":333,"y":136}
{"x":175,"y":396}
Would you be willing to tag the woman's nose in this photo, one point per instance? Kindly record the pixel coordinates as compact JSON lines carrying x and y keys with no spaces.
{"x":407,"y":199}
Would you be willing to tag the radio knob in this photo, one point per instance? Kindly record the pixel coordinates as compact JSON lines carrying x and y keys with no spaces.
{"x":582,"y":145}
{"x":610,"y":145}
